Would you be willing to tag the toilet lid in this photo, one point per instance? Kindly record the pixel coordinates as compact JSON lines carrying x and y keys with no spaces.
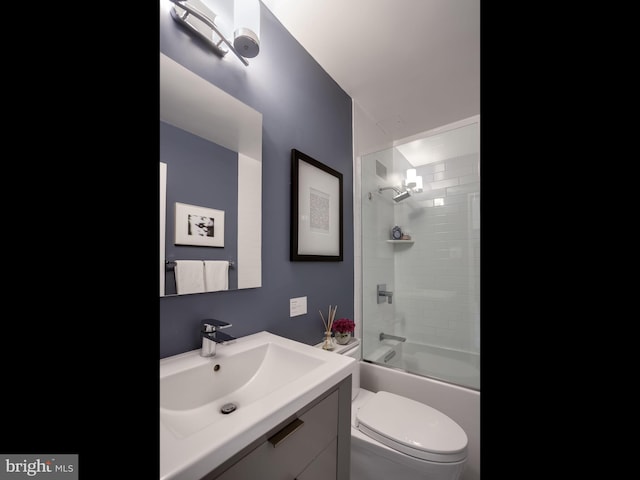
{"x":412,"y":427}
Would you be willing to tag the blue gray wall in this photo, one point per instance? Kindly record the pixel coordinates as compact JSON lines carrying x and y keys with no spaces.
{"x":302,"y":108}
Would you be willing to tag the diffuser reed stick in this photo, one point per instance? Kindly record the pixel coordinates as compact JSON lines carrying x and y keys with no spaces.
{"x":331,"y":316}
{"x":326,"y":327}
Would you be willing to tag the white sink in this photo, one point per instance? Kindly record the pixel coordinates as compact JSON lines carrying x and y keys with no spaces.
{"x":193,"y":398}
{"x":266,"y":378}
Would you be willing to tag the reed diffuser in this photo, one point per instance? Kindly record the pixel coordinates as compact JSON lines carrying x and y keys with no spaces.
{"x":328,"y":324}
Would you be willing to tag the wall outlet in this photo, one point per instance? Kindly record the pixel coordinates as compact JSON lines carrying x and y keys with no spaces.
{"x":297,"y":306}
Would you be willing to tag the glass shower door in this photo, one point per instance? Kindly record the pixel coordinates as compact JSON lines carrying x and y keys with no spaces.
{"x":428,"y":321}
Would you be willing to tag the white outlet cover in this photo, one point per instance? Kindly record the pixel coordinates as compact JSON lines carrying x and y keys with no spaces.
{"x":297,"y":306}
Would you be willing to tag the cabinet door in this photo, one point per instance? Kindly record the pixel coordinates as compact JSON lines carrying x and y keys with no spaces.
{"x":324,"y":467}
{"x":283,"y":457}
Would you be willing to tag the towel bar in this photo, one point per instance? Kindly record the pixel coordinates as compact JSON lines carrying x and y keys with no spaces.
{"x":170,"y":264}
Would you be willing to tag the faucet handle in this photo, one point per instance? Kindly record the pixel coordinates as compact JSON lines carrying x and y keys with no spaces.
{"x":211,"y":325}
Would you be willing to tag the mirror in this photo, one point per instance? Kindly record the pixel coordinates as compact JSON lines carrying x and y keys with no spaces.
{"x":194,"y":110}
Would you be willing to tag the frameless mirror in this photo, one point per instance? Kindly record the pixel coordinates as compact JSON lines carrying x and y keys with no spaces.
{"x":193,"y":111}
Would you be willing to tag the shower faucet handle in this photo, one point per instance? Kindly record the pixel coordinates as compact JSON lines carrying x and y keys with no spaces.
{"x":383,"y":294}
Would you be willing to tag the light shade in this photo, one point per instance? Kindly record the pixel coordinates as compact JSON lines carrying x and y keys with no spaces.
{"x":413,"y":181}
{"x":246,"y":20}
{"x":411,"y":177}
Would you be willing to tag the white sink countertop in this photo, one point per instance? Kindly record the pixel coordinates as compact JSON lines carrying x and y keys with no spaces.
{"x":268,"y":377}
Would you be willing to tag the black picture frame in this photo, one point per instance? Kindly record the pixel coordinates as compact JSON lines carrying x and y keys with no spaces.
{"x":316,"y":210}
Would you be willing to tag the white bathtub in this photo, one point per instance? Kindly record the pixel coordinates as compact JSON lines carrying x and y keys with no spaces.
{"x":459,"y":403}
{"x":460,"y":368}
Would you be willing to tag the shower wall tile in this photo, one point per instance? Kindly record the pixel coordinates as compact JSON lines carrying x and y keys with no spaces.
{"x":423,"y":337}
{"x":436,"y":279}
{"x":428,"y":168}
{"x":437,"y":319}
{"x":474,"y":178}
{"x":442,"y":209}
{"x":441,"y":310}
{"x":443,"y":183}
{"x":428,"y":177}
{"x":409,"y":307}
{"x":459,"y":173}
{"x":455,"y":199}
{"x":448,"y":235}
{"x":469,"y":187}
{"x":471,"y":161}
{"x":431,"y":192}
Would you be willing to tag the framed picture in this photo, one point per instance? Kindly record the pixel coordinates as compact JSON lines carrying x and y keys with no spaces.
{"x":316,"y":210}
{"x":199,"y":226}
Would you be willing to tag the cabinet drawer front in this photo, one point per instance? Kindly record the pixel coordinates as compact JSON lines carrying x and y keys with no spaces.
{"x":324,"y":467}
{"x":295,"y":449}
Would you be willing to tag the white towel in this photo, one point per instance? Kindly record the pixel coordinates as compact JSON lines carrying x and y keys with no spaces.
{"x":189,"y":276}
{"x":216,"y":275}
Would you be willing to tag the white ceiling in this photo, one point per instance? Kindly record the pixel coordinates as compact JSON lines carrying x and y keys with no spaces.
{"x":457,"y":142}
{"x":410,"y":65}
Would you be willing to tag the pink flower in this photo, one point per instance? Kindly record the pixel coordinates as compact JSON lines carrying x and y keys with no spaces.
{"x":343,"y":325}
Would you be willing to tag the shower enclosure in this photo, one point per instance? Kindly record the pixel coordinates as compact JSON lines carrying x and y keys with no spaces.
{"x":420,"y":222}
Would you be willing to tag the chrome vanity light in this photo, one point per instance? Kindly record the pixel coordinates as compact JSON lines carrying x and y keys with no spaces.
{"x":246,"y":42}
{"x":246,"y":37}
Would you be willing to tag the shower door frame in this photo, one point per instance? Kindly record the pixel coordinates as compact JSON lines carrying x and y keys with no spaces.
{"x":359,"y":297}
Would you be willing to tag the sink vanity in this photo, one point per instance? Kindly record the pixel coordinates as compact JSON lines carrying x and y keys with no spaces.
{"x":263,"y":407}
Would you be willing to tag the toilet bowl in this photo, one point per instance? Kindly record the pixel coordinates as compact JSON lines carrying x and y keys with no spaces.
{"x":395,"y":437}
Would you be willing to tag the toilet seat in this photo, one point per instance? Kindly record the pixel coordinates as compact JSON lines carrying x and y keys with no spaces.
{"x":412,"y":428}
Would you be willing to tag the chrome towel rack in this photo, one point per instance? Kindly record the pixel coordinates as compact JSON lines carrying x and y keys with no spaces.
{"x":171,"y":264}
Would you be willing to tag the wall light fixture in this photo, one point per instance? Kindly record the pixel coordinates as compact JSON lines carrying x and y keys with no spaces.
{"x":246,"y":19}
{"x":199,"y":19}
{"x":413,"y":181}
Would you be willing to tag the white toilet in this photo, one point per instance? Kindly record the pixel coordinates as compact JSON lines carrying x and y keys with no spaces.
{"x":396,"y":437}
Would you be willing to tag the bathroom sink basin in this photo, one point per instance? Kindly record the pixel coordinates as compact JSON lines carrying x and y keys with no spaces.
{"x":194,"y":398}
{"x":210,"y":408}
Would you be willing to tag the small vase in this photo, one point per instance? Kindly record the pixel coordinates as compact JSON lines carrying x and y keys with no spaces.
{"x":328,"y":342}
{"x":343,"y":338}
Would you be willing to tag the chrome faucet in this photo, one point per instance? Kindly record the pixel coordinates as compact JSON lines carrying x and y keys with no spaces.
{"x":211,"y":336}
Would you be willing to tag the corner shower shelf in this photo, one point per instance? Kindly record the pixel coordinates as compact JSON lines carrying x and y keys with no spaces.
{"x":400,"y":241}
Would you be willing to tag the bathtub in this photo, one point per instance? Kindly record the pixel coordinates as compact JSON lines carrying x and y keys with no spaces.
{"x":460,"y":368}
{"x":459,"y":403}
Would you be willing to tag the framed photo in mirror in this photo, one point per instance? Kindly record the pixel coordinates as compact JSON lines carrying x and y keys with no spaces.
{"x":316,"y":210}
{"x":199,"y":226}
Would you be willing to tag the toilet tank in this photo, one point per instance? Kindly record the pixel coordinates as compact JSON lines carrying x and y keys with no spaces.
{"x":352,"y":349}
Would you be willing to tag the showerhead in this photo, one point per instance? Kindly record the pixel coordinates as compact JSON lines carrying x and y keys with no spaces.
{"x":401,"y":196}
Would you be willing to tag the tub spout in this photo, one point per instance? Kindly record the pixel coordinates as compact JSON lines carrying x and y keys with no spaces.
{"x":386,"y":336}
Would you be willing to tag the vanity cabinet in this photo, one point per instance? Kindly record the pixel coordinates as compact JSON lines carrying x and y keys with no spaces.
{"x":313,"y":445}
